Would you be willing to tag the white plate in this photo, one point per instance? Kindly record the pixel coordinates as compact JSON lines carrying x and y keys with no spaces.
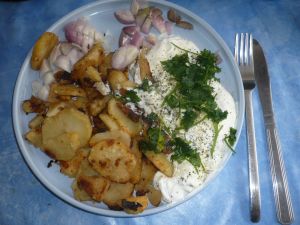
{"x":101,"y":17}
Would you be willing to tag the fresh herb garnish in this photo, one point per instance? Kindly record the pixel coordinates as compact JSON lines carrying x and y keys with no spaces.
{"x":217,"y":130}
{"x":193,"y":92}
{"x":130,"y":96}
{"x":183,"y":151}
{"x":155,"y":141}
{"x":188,"y":119}
{"x":145,"y":86}
{"x":231,"y":138}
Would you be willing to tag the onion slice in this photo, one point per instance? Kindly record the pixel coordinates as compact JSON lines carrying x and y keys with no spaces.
{"x":124,"y":56}
{"x":137,"y":39}
{"x":124,"y":16}
{"x":134,"y":7}
{"x":130,"y":30}
{"x":146,"y":25}
{"x":159,"y":23}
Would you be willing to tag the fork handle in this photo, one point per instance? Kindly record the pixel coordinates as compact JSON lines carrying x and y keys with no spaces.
{"x":254,"y":188}
{"x":283,"y":202}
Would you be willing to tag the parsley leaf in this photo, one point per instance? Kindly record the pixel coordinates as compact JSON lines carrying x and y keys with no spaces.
{"x":145,"y":86}
{"x":130,"y":96}
{"x":231,"y":138}
{"x":188,"y":119}
{"x":155,"y":141}
{"x":183,"y":151}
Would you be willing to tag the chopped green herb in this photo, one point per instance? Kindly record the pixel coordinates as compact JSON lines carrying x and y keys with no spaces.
{"x":130,"y":96}
{"x":193,"y":91}
{"x":217,"y":130}
{"x":231,"y":138}
{"x":145,"y":86}
{"x":183,"y":151}
{"x":155,"y":141}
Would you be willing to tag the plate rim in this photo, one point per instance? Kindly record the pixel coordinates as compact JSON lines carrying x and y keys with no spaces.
{"x":107,"y":212}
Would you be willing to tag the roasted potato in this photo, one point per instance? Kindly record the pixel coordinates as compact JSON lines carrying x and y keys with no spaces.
{"x":113,"y":160}
{"x":109,"y":122}
{"x":80,"y":194}
{"x":95,"y":186}
{"x":116,"y":192}
{"x":71,"y":167}
{"x":134,"y":205}
{"x":93,"y":74}
{"x":34,"y":105}
{"x":94,"y":58}
{"x":42,"y":49}
{"x":131,"y":127}
{"x":97,"y":105}
{"x":35,"y":138}
{"x":68,"y":90}
{"x":143,"y":63}
{"x":65,"y":132}
{"x":136,"y":174}
{"x":148,"y":172}
{"x":55,"y":108}
{"x":116,"y":78}
{"x":117,"y":135}
{"x":36,"y":122}
{"x":154,"y":196}
{"x":161,"y":162}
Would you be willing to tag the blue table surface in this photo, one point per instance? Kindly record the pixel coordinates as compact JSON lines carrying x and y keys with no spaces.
{"x":275,"y":23}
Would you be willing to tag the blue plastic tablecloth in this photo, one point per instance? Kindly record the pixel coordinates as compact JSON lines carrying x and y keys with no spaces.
{"x":275,"y":23}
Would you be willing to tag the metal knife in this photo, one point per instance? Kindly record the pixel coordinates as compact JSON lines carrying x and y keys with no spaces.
{"x":283,"y":202}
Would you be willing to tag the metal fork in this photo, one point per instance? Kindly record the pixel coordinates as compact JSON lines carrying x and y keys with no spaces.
{"x":243,"y":53}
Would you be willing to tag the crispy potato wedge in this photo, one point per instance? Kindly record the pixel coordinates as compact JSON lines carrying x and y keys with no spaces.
{"x":116,"y":192}
{"x":97,"y":105}
{"x":109,"y":122}
{"x":35,"y":138}
{"x":65,"y":132}
{"x":106,"y":65}
{"x":143,"y":63}
{"x":42,"y":49}
{"x":131,"y":127}
{"x":116,"y":78}
{"x":94,"y":58}
{"x":154,"y":196}
{"x":71,"y":167}
{"x":148,"y":172}
{"x":34,"y":105}
{"x":95,"y":186}
{"x":55,"y":108}
{"x":93,"y":74}
{"x":113,"y":160}
{"x":117,"y":135}
{"x":134,"y":205}
{"x":36,"y":122}
{"x":161,"y":162}
{"x":80,"y":194}
{"x":68,"y":90}
{"x":136,"y":173}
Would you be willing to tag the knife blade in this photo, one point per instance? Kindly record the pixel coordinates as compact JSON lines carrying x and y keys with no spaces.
{"x":283,"y":201}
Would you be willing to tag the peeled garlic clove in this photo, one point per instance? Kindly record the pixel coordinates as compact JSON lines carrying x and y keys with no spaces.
{"x":124,"y":16}
{"x":124,"y":56}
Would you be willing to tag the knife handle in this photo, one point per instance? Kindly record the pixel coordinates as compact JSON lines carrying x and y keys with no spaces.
{"x":283,"y":201}
{"x":254,"y":189}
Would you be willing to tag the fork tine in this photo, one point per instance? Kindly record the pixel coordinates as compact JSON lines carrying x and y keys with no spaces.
{"x":251,"y":49}
{"x":236,"y":48}
{"x":246,"y":49}
{"x":242,"y":49}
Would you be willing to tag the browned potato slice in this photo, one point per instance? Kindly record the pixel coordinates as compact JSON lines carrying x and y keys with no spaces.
{"x":109,"y":122}
{"x":148,"y":172}
{"x":131,"y":127}
{"x":109,"y":135}
{"x":161,"y":161}
{"x":65,"y":132}
{"x":154,"y":196}
{"x":116,"y":78}
{"x":104,"y":68}
{"x":116,"y":192}
{"x":68,"y":90}
{"x":145,"y":71}
{"x":128,"y":84}
{"x":134,"y":205}
{"x":113,"y":160}
{"x":86,"y":169}
{"x":79,"y":103}
{"x":71,"y":167}
{"x":97,"y":105}
{"x":96,"y":187}
{"x":80,"y":194}
{"x":136,"y":174}
{"x":94,"y":58}
{"x":93,"y":74}
{"x":55,"y":108}
{"x":35,"y":138}
{"x":36,"y":122}
{"x":42,"y":49}
{"x":34,"y":105}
